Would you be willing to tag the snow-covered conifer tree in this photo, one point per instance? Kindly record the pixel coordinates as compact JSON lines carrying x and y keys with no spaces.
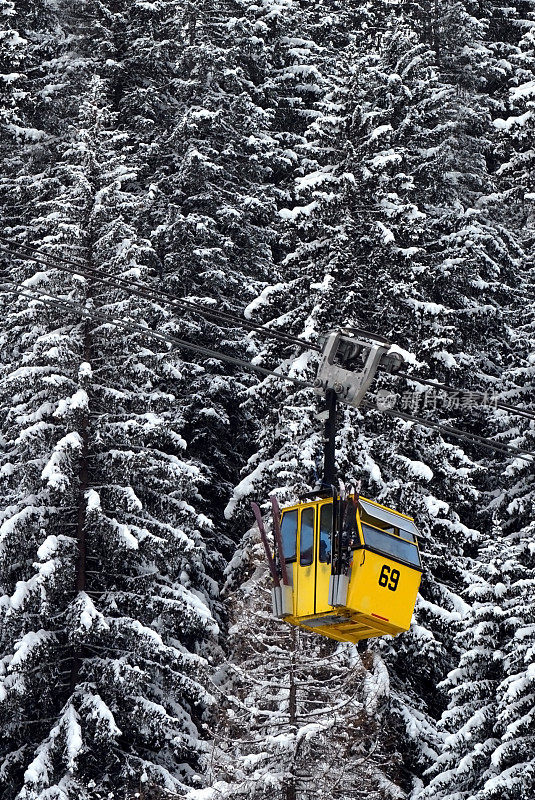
{"x":488,"y":746}
{"x":388,"y":235}
{"x":315,"y":164}
{"x":107,"y":606}
{"x":488,"y":750}
{"x":298,"y":718}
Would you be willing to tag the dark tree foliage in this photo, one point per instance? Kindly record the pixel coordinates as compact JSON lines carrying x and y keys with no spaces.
{"x":307,"y":166}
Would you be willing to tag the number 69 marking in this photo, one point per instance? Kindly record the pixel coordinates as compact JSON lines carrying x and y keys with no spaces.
{"x":389,"y":578}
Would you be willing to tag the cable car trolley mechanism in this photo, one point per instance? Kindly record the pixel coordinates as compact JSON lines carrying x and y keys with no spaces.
{"x":344,"y":566}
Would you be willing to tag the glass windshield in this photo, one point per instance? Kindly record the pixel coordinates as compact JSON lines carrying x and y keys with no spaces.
{"x":306,"y":555}
{"x":391,"y":545}
{"x":289,"y":534}
{"x":326,"y":526}
{"x":407,"y":535}
{"x":386,"y":517}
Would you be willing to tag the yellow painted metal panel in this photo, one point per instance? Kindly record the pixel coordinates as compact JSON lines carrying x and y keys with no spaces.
{"x":323,"y":575}
{"x":383,"y":588}
{"x":305,"y":593}
{"x":292,"y":572}
{"x":381,"y":597}
{"x":306,"y":584}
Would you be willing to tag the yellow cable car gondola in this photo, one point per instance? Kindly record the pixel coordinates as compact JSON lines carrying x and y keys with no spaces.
{"x":347,"y":569}
{"x":344,"y":567}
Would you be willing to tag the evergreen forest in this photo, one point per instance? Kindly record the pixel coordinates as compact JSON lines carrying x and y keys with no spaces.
{"x":243,"y":176}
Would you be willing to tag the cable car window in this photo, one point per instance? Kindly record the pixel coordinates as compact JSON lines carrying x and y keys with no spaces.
{"x":289,"y":534}
{"x":391,"y":545}
{"x":375,"y":522}
{"x":326,"y":527}
{"x":407,"y":535}
{"x":386,"y":517}
{"x":306,"y":555}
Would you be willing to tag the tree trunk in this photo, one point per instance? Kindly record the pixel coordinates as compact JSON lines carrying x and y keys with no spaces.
{"x":83,"y":485}
{"x":290,"y":788}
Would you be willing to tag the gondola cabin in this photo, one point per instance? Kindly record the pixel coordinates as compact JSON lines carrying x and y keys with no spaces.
{"x":352,"y":568}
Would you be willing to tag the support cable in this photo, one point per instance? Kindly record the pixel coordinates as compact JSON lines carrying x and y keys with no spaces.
{"x":474,"y":438}
{"x":48,"y":300}
{"x":521,"y":412}
{"x":159,"y":295}
{"x":149,"y":293}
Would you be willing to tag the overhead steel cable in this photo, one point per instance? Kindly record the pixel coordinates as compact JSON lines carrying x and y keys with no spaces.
{"x":521,"y":412}
{"x":76,"y":261}
{"x":490,"y":444}
{"x":160,"y":295}
{"x":141,"y":290}
{"x":73,"y":260}
{"x":47,"y":299}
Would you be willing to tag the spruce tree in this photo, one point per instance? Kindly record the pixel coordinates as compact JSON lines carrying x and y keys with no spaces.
{"x":488,"y":721}
{"x":488,"y":746}
{"x":388,"y":235}
{"x":297,"y":717}
{"x":107,"y":610}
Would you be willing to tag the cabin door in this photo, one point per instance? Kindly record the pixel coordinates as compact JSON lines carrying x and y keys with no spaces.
{"x":306,"y":568}
{"x":323,"y":557}
{"x":314,"y":560}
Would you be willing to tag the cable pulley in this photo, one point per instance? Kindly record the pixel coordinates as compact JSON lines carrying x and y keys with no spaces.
{"x":347,"y":365}
{"x":139,"y":289}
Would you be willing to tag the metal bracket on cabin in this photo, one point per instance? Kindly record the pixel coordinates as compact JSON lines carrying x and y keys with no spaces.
{"x":282,"y":601}
{"x":348,"y":364}
{"x":338,"y":586}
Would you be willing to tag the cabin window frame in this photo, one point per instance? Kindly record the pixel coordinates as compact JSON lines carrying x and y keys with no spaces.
{"x":387,"y":516}
{"x":327,"y":560}
{"x":290,"y":559}
{"x":395,"y":557}
{"x":412,"y":539}
{"x":310,"y":550}
{"x":392,"y":530}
